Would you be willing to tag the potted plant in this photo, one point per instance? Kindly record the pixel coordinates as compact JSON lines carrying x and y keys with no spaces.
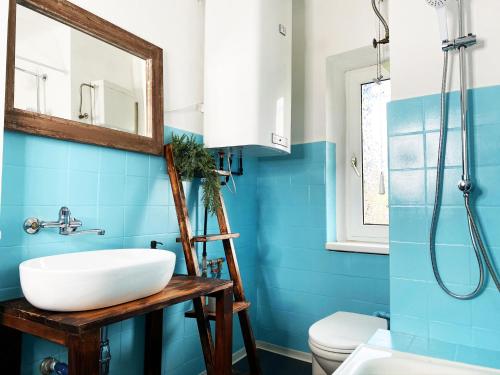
{"x":193,"y":160}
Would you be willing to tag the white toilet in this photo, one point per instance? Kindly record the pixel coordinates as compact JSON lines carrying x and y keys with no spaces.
{"x":335,"y":337}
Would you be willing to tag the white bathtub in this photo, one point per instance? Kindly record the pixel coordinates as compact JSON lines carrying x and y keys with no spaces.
{"x":368,"y":360}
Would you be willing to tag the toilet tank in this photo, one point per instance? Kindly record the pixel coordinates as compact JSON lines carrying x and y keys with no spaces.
{"x":248,"y":75}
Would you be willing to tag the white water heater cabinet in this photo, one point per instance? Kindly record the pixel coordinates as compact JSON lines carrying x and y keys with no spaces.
{"x":248,"y":75}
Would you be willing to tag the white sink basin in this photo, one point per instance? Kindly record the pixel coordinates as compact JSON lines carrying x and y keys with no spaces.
{"x":95,"y":279}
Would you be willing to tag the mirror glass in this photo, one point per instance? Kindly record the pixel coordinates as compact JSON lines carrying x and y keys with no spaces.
{"x":63,"y":72}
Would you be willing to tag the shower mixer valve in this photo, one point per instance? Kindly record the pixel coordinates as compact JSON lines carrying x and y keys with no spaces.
{"x":461,"y":42}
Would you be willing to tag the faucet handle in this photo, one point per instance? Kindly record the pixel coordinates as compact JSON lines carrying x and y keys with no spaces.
{"x":64,"y":215}
{"x":74,"y":222}
{"x":32,"y":225}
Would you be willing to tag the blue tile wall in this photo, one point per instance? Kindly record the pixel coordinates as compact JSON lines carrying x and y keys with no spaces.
{"x":284,"y":208}
{"x":127,"y":194}
{"x":300,"y":282}
{"x":418,"y":306}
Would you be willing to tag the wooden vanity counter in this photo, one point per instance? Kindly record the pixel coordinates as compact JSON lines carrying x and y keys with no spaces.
{"x":80,"y":331}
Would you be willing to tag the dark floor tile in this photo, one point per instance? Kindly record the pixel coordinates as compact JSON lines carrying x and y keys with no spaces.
{"x":274,"y":364}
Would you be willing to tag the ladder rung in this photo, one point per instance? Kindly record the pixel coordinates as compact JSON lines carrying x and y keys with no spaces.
{"x":222,"y":173}
{"x":218,"y":172}
{"x":212,"y":237}
{"x":237,"y":307}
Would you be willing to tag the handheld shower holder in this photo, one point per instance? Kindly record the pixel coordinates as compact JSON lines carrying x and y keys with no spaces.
{"x":461,"y":42}
{"x":465,"y":185}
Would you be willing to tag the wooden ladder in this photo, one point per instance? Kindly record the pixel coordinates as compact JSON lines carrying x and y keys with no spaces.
{"x":240,"y":305}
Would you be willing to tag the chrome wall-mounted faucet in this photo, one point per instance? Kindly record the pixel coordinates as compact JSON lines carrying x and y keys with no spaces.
{"x":67,"y":225}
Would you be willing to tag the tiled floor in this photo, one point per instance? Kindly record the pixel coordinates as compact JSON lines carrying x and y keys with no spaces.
{"x":275,"y":364}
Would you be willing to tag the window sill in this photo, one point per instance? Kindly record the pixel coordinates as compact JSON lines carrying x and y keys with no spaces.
{"x":359,"y":247}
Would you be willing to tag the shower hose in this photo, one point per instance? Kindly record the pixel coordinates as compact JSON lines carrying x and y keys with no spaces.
{"x":477,"y":244}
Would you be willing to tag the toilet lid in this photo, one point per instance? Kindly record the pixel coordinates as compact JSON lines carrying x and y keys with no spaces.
{"x":344,"y":331}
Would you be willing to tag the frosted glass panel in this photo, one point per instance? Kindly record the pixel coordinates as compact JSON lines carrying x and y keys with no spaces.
{"x":374,"y":99}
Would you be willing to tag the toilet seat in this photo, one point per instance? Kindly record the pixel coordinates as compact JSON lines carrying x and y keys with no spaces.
{"x":342,"y":332}
{"x":335,"y":337}
{"x":328,"y":354}
{"x":327,"y":349}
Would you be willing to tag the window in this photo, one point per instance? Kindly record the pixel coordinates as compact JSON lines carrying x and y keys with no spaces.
{"x":367,"y":211}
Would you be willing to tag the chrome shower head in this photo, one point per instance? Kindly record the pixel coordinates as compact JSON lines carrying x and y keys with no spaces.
{"x":440,"y":6}
{"x":437,"y":3}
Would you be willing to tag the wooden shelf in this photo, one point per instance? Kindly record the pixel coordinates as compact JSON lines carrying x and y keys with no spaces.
{"x":179,"y":289}
{"x":237,"y":307}
{"x":80,"y":331}
{"x":211,"y":237}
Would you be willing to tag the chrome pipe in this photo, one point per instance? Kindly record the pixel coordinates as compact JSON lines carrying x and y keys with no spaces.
{"x":460,"y":18}
{"x":51,"y":366}
{"x":465,"y":183}
{"x":384,"y":23}
{"x":105,"y":352}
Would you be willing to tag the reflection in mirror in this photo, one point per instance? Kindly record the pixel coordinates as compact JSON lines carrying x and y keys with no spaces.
{"x":63,"y":72}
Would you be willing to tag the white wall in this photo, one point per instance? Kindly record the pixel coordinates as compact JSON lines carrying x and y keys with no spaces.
{"x":338,"y":38}
{"x":322,"y":28}
{"x":177,"y":27}
{"x":93,"y":60}
{"x":42,"y":40}
{"x":42,"y":46}
{"x":416,"y":57}
{"x":330,"y":27}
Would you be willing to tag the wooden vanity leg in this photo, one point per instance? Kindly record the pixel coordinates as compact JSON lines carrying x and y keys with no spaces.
{"x":153,"y":343}
{"x":224,"y":332}
{"x":83,"y":353}
{"x":10,"y":350}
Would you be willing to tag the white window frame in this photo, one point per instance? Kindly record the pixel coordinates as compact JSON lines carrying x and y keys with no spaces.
{"x":356,"y":230}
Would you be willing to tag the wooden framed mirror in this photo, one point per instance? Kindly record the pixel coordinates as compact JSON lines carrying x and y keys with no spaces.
{"x":73,"y":75}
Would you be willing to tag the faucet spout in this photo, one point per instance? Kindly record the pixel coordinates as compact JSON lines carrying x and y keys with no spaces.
{"x":99,"y":232}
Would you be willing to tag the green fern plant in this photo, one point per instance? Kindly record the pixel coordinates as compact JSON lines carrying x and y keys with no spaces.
{"x":193,"y":160}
